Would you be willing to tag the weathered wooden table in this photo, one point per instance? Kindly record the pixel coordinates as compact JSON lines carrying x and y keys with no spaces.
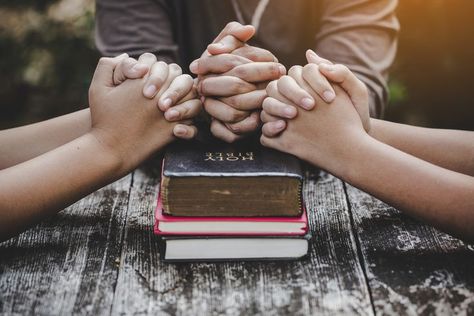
{"x":100,"y":257}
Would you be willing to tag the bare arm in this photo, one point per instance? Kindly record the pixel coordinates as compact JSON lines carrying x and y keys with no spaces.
{"x":26,"y":142}
{"x":46,"y":184}
{"x":451,"y":149}
{"x":440,"y":197}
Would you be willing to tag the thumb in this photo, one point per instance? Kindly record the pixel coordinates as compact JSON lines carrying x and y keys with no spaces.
{"x":104,"y":72}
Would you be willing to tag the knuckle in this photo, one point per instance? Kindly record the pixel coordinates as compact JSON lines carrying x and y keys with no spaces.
{"x":233,"y":115}
{"x":263,"y":138}
{"x":267,"y":104}
{"x":156,"y":80}
{"x":271,"y":87}
{"x":294,"y":69}
{"x":240,"y":71}
{"x":309,"y":69}
{"x":104,"y":61}
{"x":232,"y":25}
{"x":148,"y":56}
{"x":175,"y":68}
{"x":240,"y":86}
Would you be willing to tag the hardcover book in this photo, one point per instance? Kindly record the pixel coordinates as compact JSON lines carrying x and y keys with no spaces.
{"x":244,"y":180}
{"x":224,"y":226}
{"x":195,"y":248}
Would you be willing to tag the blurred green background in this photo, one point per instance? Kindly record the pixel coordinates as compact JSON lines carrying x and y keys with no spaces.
{"x":48,"y":57}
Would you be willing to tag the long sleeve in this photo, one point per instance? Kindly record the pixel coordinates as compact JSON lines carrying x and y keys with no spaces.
{"x":361,"y":34}
{"x":135,"y":27}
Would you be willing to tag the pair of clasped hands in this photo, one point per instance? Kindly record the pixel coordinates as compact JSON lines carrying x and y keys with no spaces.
{"x":139,"y":106}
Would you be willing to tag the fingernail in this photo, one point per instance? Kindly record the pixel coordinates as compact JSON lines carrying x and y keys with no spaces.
{"x":328,"y":96}
{"x":194,"y":67}
{"x":149,"y":91}
{"x":180,"y":130}
{"x":307,"y":103}
{"x":172,"y":115}
{"x":289,"y":112}
{"x":282,"y":70}
{"x":312,"y":53}
{"x":167,"y":102}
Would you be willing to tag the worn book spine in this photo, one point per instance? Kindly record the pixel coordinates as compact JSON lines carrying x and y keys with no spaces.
{"x":160,"y":217}
{"x":230,"y":180}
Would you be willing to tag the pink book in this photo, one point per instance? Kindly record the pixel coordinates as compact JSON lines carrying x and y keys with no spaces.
{"x":227,"y":226}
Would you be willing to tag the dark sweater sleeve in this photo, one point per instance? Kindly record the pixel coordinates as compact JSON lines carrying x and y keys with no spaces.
{"x":135,"y":27}
{"x":362,"y":34}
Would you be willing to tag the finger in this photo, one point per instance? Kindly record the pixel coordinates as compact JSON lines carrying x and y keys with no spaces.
{"x":265,"y":117}
{"x":247,"y":125}
{"x":270,"y":142}
{"x":257,"y":71}
{"x":216,"y":64}
{"x":288,"y":87}
{"x":318,"y":82}
{"x":184,"y":131}
{"x":178,"y":88}
{"x":272,"y":129}
{"x":174,"y":71}
{"x":296,"y":72}
{"x":184,"y":111}
{"x":314,"y":58}
{"x":224,"y":86}
{"x":241,"y":32}
{"x":279,"y":109}
{"x":246,"y":101}
{"x":348,"y":81}
{"x":223,"y":112}
{"x":129,"y":68}
{"x":272,"y":91}
{"x":147,"y":59}
{"x":220,"y":131}
{"x":104,"y":72}
{"x":227,"y":44}
{"x":156,"y":78}
{"x":255,"y":54}
{"x":192,"y":94}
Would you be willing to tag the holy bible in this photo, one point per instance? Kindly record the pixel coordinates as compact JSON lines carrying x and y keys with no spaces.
{"x":216,"y":179}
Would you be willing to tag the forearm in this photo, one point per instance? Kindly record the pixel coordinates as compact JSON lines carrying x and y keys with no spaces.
{"x":449,"y":149}
{"x":48,"y":183}
{"x":438,"y":196}
{"x":23,"y":143}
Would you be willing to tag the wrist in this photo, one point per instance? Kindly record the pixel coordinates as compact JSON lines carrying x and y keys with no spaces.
{"x":342,"y":159}
{"x":357,"y":155}
{"x":105,"y":151}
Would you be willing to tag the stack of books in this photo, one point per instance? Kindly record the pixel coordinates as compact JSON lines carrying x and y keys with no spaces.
{"x":222,"y":202}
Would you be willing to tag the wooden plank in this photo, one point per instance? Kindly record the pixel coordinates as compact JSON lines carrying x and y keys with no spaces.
{"x":413,"y":269}
{"x":330,"y":281}
{"x":67,"y":264}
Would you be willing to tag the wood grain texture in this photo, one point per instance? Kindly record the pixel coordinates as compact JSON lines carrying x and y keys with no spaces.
{"x":413,"y":269}
{"x":330,"y":281}
{"x":66,"y":265}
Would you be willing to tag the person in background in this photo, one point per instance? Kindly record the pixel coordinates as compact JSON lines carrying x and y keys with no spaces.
{"x":233,"y":72}
{"x":47,"y":166}
{"x":427,"y":173}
